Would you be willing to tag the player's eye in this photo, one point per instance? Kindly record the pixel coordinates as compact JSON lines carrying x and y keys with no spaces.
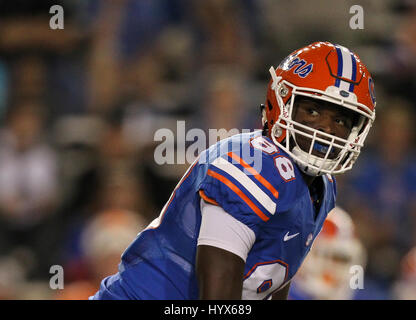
{"x":340,"y":122}
{"x":345,"y":122}
{"x":313,"y":112}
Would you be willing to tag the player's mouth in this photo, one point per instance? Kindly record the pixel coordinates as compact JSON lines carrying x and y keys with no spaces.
{"x":319,"y":149}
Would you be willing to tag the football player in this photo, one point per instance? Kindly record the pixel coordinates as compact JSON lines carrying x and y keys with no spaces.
{"x":327,"y":271}
{"x":234,"y":229}
{"x":404,"y":287}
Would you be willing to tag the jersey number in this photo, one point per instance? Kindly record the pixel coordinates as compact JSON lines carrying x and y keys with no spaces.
{"x":285,"y":168}
{"x":263,"y":279}
{"x":264,"y":145}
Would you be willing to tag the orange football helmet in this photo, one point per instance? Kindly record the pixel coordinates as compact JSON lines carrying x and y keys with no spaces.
{"x":326,"y":72}
{"x":405,"y":286}
{"x":325,"y":273}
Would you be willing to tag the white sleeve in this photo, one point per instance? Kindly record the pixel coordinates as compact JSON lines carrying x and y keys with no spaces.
{"x":220,"y":229}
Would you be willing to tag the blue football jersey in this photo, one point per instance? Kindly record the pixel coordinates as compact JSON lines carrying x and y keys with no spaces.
{"x":255,"y":182}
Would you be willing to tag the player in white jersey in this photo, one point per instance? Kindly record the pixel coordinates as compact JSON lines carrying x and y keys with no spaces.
{"x":337,"y":255}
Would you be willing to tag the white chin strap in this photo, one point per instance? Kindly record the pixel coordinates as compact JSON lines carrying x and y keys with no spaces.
{"x":311,"y":167}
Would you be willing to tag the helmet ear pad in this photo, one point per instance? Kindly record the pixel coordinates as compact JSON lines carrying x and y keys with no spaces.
{"x":274,"y":110}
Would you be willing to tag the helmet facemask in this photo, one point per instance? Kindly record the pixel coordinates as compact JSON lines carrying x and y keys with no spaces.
{"x":325,"y":153}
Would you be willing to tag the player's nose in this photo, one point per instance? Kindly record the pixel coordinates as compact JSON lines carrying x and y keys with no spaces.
{"x":325,"y":124}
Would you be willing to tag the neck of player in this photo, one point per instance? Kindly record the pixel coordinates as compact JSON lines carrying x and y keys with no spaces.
{"x":308,"y":179}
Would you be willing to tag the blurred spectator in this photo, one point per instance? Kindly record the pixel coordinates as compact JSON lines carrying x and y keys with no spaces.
{"x":25,"y":27}
{"x":405,"y":286}
{"x":28,"y":168}
{"x":401,"y":59}
{"x":14,"y":283}
{"x":224,"y":100}
{"x":222,"y":29}
{"x":380,"y":194}
{"x":325,"y":273}
{"x":29,"y":77}
{"x":102,"y":241}
{"x":117,"y":189}
{"x":122,"y":32}
{"x":12,"y":274}
{"x":28,"y":180}
{"x":44,"y":62}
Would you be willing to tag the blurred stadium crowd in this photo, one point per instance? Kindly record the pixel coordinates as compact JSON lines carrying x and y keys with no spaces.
{"x":79,"y":108}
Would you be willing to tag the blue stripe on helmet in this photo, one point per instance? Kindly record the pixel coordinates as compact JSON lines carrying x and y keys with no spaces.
{"x":354,"y":72}
{"x":340,"y":63}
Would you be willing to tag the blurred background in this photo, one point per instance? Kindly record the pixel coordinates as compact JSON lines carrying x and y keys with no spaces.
{"x":79,"y":108}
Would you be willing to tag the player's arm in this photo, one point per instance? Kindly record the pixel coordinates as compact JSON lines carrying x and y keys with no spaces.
{"x":220,"y":274}
{"x":223,"y":246}
{"x":282,"y":294}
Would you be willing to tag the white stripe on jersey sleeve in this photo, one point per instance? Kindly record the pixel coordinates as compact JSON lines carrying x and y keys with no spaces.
{"x":247,"y":183}
{"x":221,"y":230}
